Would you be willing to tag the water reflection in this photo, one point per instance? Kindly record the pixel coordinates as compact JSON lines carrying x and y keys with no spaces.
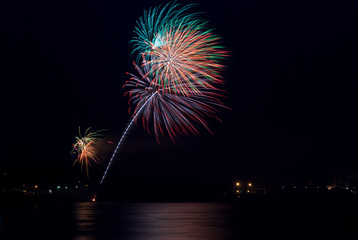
{"x":119,"y":221}
{"x":84,"y":216}
{"x":177,"y":221}
{"x":151,"y":221}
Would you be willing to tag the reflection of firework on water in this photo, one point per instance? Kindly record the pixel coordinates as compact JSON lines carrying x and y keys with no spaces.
{"x":85,"y":148}
{"x":181,"y":50}
{"x":169,"y":112}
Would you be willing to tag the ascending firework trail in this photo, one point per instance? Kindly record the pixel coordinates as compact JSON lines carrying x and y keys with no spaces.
{"x":124,"y":134}
{"x":121,"y":140}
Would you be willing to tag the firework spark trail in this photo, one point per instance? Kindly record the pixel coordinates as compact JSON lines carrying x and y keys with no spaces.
{"x":123,"y":135}
{"x":169,"y":112}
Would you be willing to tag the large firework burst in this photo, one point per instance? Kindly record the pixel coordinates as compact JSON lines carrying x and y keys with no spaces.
{"x":179,"y":65}
{"x":180,"y":48}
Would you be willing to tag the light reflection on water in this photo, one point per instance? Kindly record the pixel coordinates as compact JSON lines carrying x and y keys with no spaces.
{"x":133,"y":221}
{"x":151,"y":221}
{"x":84,"y":219}
{"x":254,"y":220}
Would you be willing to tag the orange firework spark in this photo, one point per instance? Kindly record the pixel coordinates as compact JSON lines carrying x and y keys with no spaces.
{"x":182,"y":51}
{"x":187,"y":56}
{"x":85,"y":148}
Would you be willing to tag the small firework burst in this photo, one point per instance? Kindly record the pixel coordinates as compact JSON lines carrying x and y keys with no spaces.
{"x":85,"y":148}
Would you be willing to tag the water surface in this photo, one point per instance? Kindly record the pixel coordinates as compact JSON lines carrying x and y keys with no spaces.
{"x":176,"y":221}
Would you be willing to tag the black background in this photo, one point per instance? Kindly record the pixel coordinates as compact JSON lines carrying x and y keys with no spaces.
{"x":291,"y":80}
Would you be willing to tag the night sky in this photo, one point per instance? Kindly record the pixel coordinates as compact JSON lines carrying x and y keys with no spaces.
{"x":291,"y":80}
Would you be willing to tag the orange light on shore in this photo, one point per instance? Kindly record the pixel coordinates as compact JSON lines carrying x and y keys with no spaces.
{"x":93,"y":199}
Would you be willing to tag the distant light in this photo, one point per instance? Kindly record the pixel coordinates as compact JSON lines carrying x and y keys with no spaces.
{"x":66,"y":187}
{"x":36,"y":186}
{"x":305,"y":186}
{"x":294,"y":186}
{"x":50,"y":191}
{"x":58,"y":187}
{"x":237,"y":191}
{"x":237,"y":184}
{"x":76,"y":186}
{"x":93,"y":199}
{"x":283,"y":186}
{"x":248,"y":191}
{"x":86,"y":185}
{"x":250,"y":184}
{"x":317,"y":186}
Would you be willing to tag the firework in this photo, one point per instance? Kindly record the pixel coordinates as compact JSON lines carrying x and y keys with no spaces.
{"x":153,"y":23}
{"x":171,"y":113}
{"x":85,"y":148}
{"x":179,"y":65}
{"x":180,"y":49}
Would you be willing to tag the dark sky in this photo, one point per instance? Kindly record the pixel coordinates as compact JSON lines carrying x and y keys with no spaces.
{"x":291,"y":80}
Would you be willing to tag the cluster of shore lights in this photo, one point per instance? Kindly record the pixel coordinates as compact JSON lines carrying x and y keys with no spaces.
{"x":239,"y":184}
